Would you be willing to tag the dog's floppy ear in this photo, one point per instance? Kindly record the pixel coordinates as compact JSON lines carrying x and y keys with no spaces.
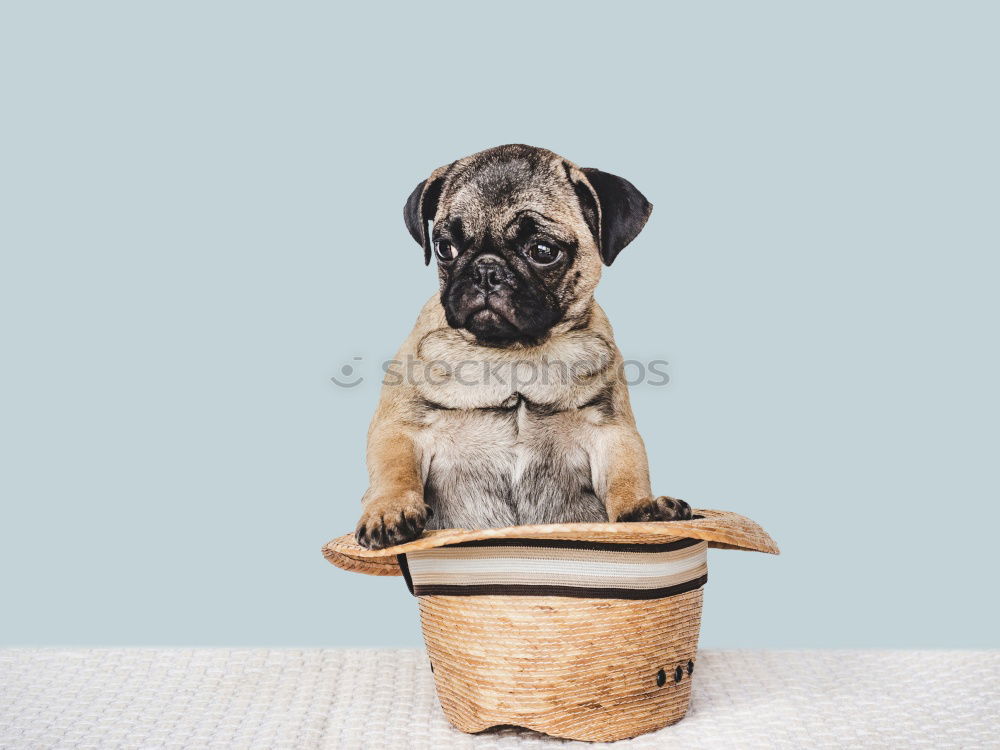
{"x":420,"y":208}
{"x":616,"y":211}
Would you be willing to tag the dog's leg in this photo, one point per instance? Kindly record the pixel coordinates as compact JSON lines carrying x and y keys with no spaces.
{"x":622,"y":480}
{"x":393,"y":507}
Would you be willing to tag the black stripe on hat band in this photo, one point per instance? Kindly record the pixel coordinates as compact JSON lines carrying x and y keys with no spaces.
{"x":579,"y":544}
{"x":582,"y":592}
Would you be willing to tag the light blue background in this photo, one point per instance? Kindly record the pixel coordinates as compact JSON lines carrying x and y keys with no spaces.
{"x":201,"y":223}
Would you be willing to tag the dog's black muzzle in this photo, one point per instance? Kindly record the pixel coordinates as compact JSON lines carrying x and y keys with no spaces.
{"x":492,"y":302}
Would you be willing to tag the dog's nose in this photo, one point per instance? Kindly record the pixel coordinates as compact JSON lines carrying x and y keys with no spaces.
{"x":489,"y":273}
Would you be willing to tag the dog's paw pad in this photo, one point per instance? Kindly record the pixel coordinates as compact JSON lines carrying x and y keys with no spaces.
{"x":387,"y":529}
{"x":661,"y":509}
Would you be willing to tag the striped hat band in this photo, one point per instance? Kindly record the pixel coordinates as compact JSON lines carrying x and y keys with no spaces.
{"x":551,"y":567}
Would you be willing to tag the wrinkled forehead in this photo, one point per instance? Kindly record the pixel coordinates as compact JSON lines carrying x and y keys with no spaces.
{"x":490,"y":196}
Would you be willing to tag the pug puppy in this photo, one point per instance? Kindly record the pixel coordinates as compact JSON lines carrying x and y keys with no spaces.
{"x":507,"y":404}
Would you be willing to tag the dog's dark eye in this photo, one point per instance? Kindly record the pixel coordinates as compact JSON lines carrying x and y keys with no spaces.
{"x":445,"y":250}
{"x":542,"y":254}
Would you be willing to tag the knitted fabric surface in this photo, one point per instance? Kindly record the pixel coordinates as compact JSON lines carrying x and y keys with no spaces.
{"x":140,"y":698}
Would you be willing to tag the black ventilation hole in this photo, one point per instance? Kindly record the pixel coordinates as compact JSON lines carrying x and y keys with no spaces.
{"x":690,"y":667}
{"x":678,"y":674}
{"x":661,"y":678}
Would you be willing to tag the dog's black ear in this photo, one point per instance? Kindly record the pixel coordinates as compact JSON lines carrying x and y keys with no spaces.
{"x":620,"y":212}
{"x":420,"y":208}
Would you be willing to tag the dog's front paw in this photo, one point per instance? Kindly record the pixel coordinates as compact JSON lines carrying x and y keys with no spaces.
{"x":388,"y":521}
{"x":661,"y":509}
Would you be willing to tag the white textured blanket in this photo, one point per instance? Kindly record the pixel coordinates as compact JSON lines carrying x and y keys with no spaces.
{"x":141,"y":698}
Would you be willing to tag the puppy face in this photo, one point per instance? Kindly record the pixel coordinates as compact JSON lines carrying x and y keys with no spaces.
{"x":519,"y":235}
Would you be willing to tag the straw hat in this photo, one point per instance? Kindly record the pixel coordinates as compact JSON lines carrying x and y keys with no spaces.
{"x":586,"y":631}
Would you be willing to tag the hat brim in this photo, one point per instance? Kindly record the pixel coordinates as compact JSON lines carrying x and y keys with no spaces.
{"x":721,"y":529}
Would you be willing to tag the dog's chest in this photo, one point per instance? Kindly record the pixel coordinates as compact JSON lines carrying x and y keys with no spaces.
{"x":516,"y":464}
{"x":506,"y":432}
